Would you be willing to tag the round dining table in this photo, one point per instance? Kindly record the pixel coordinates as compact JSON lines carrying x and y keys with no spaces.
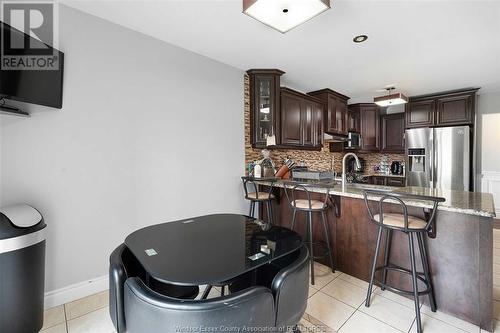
{"x":209,"y":249}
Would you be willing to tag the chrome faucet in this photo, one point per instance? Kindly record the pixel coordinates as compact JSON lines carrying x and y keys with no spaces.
{"x":358,"y":165}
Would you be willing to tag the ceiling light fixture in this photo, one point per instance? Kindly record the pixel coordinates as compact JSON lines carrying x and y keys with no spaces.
{"x":360,"y":38}
{"x":391,"y":99}
{"x":284,"y":15}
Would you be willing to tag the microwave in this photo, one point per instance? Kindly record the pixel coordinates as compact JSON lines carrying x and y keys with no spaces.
{"x":353,"y":141}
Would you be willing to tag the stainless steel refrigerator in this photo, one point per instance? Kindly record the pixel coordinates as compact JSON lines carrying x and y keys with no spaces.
{"x":439,"y":157}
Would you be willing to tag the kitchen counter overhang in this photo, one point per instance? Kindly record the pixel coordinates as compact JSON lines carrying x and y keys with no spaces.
{"x":471,"y":203}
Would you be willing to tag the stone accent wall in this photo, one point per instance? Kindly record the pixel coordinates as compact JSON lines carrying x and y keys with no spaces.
{"x":315,"y":160}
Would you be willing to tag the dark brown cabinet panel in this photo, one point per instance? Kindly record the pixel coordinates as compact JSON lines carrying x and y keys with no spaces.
{"x":392,"y":132}
{"x":420,"y":113}
{"x":291,"y":129}
{"x":378,"y":180}
{"x":387,"y":181}
{"x":451,"y":108}
{"x":353,"y":121}
{"x":308,"y":126}
{"x":455,"y":110}
{"x":301,"y":120}
{"x":369,"y":116}
{"x":394,"y":181}
{"x":335,"y":110}
{"x":264,"y":105}
{"x":318,"y":122}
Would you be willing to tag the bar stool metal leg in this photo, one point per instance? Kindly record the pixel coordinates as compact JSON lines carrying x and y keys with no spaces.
{"x":414,"y":282}
{"x":206,"y":292}
{"x":310,"y":240}
{"x":269,"y":212}
{"x":425,"y":263}
{"x":374,"y":266}
{"x":388,"y":240}
{"x":327,"y":237}
{"x":250,"y":213}
{"x":293,"y":219}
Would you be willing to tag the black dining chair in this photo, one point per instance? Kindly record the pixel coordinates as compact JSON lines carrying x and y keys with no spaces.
{"x":288,"y":279}
{"x":290,"y":287}
{"x":147,"y":311}
{"x":123,"y":265}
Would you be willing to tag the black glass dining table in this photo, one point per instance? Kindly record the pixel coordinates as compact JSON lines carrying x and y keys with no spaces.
{"x":209,"y":249}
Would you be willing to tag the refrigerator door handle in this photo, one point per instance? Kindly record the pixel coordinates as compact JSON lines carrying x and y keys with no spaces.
{"x":431,"y":158}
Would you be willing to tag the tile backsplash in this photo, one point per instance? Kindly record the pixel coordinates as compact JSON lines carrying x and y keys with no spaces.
{"x":315,"y":160}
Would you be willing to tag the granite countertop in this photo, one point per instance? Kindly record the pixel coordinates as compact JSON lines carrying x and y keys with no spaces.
{"x":472,"y":203}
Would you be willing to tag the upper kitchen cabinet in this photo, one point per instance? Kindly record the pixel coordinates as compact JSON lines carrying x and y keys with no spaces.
{"x":369,"y":115}
{"x":301,"y":120}
{"x":420,"y":113}
{"x":335,"y":111}
{"x":392,"y":131}
{"x":353,"y":121}
{"x":442,"y":109}
{"x":264,"y":105}
{"x":456,"y":109}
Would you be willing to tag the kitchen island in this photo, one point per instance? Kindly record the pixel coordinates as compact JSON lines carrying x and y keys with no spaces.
{"x":461,"y":254}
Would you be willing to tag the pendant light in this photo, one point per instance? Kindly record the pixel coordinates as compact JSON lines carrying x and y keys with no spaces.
{"x":284,"y":15}
{"x":391,"y":98}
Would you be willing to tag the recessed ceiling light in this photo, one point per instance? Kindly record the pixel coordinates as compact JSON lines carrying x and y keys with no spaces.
{"x":284,"y":15}
{"x":360,"y":38}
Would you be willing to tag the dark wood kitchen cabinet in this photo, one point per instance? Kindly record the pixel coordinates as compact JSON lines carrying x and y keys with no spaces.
{"x":392,"y":132}
{"x":453,"y":108}
{"x":387,"y":181}
{"x":369,"y":118}
{"x":376,"y":180}
{"x":335,"y":110}
{"x":395,"y":181}
{"x":420,"y":113}
{"x":301,"y":120}
{"x":353,"y":121}
{"x":291,"y":129}
{"x":264,"y":105}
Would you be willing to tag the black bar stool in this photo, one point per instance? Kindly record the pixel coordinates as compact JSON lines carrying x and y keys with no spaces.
{"x":257,"y":196}
{"x":309,"y":206}
{"x":413,"y":227}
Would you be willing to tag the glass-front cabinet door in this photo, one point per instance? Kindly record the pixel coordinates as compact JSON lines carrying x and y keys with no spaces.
{"x":264,"y":106}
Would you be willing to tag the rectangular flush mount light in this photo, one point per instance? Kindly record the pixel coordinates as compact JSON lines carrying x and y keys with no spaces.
{"x":393,"y":99}
{"x":284,"y":15}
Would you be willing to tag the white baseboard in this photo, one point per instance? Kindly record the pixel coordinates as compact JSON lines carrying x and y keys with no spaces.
{"x":75,"y":291}
{"x":490,"y":183}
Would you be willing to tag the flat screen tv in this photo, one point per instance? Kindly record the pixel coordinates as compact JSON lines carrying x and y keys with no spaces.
{"x":43,"y":87}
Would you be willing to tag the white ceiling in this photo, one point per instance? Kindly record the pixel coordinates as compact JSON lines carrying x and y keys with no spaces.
{"x":421,"y":46}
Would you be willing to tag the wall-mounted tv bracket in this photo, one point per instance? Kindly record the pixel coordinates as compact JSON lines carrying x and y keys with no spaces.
{"x":10,"y":110}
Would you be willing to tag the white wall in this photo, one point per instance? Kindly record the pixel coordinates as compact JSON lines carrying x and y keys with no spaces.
{"x":149,"y":133}
{"x":488,"y":147}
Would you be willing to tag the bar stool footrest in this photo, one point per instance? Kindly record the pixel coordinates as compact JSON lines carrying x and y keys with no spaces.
{"x":403,"y":270}
{"x":320,"y":244}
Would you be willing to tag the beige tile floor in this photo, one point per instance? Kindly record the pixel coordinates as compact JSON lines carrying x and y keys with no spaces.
{"x":336,"y":304}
